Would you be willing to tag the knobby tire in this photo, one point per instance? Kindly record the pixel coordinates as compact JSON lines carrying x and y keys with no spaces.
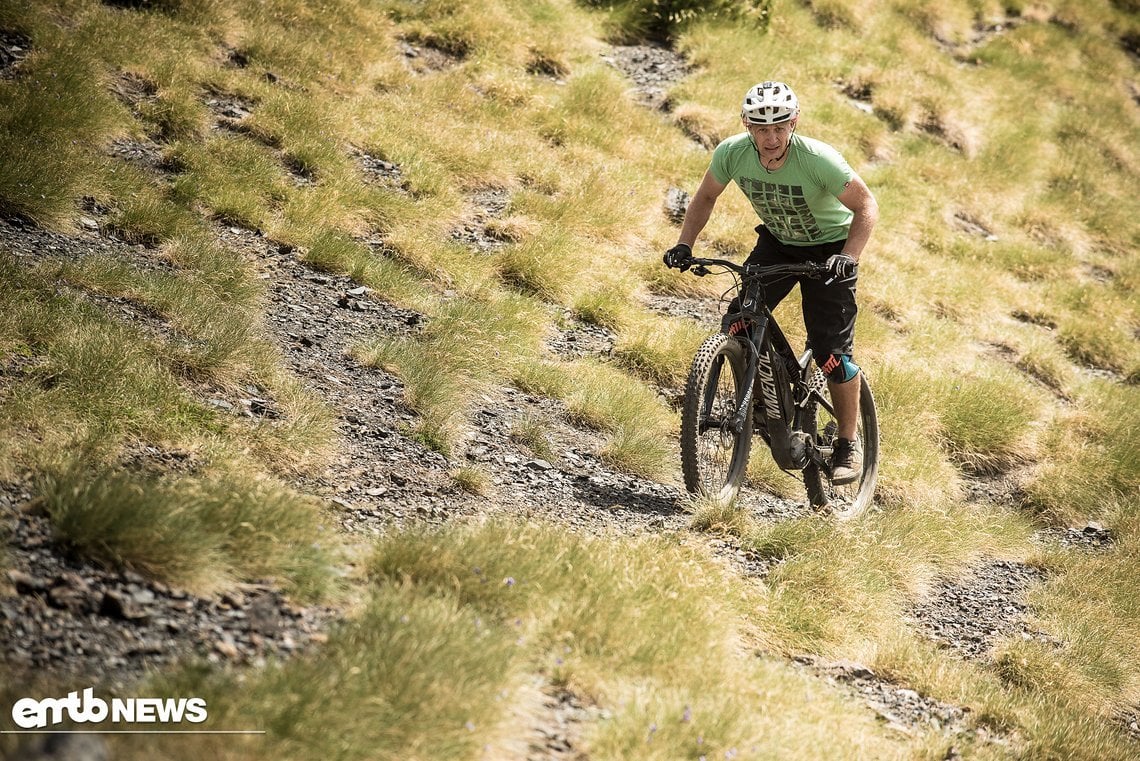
{"x":850,"y":500}
{"x":713,"y":457}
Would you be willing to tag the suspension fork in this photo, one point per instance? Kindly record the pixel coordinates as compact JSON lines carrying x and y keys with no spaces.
{"x":749,"y":382}
{"x":751,"y":339}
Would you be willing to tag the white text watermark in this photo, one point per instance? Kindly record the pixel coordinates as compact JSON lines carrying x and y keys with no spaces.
{"x":46,"y":714}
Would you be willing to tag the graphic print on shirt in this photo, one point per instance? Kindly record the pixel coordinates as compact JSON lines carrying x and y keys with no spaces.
{"x":783,"y":208}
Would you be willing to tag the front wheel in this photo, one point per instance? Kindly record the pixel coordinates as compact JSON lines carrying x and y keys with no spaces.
{"x":714,"y":455}
{"x":819,"y":423}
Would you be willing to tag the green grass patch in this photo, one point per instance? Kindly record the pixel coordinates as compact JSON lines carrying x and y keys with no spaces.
{"x":198,"y":532}
{"x":914,"y":469}
{"x":463,"y":629}
{"x":51,"y":118}
{"x":532,"y":432}
{"x":985,"y":418}
{"x":1093,"y":469}
{"x":185,"y":317}
{"x":230,"y":178}
{"x":659,"y":348}
{"x":608,"y":305}
{"x":843,"y":586}
{"x":640,"y":20}
{"x":89,"y":371}
{"x":472,"y":480}
{"x":638,"y":423}
{"x":464,"y":344}
{"x":546,"y":265}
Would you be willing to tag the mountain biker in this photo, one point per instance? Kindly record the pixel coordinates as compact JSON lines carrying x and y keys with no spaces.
{"x":813,"y":207}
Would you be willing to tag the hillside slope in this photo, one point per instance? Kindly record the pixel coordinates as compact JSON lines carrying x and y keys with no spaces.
{"x":339,"y":381}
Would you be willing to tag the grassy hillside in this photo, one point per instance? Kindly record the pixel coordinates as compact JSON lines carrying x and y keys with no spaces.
{"x":1000,"y":328}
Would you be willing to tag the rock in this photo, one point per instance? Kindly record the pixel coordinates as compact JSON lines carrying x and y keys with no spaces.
{"x":262,"y":408}
{"x":264,"y":617}
{"x":73,"y":597}
{"x":227,"y":649}
{"x":27,"y":584}
{"x":117,"y":605}
{"x":852,"y":670}
{"x":676,"y":203}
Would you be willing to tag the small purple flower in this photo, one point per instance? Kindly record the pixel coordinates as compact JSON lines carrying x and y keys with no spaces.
{"x":509,"y":581}
{"x":687,"y":716}
{"x":470,"y":726}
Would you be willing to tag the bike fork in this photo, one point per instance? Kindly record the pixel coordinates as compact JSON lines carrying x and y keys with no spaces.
{"x":741,"y":415}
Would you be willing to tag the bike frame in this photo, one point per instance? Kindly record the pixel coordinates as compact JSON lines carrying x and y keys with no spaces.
{"x":782,"y":378}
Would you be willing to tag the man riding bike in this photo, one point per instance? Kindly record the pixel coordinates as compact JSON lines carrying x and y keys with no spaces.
{"x":813,"y":207}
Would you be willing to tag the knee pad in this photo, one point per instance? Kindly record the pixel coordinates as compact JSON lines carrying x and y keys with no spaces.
{"x":839,"y":368}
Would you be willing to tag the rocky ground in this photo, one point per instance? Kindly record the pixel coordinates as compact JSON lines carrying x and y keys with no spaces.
{"x":901,"y":708}
{"x":63,"y":615}
{"x":970,"y":614}
{"x":67,"y":616}
{"x":651,"y":69}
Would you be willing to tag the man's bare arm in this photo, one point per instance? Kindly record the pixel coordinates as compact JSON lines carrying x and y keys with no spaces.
{"x":700,"y":207}
{"x":859,"y":199}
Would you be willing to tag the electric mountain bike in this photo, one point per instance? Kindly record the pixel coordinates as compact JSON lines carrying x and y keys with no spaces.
{"x":746,"y":380}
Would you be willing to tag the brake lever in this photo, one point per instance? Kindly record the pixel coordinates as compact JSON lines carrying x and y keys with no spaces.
{"x":700,"y":270}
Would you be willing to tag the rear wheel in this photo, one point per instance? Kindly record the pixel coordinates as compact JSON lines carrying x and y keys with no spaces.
{"x":714,"y":457}
{"x":849,"y":500}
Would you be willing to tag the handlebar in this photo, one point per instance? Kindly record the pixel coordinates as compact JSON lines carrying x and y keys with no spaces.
{"x":807,"y":269}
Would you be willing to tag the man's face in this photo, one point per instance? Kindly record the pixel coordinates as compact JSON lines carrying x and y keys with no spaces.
{"x":771,"y":139}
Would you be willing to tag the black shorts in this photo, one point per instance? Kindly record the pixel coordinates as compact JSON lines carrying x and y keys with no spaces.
{"x":829,"y":310}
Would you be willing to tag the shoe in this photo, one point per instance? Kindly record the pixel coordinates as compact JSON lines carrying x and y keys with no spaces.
{"x":846,"y":461}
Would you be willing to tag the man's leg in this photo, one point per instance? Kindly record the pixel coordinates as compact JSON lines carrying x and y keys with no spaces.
{"x":829,"y":315}
{"x":847,"y":450}
{"x":845,"y":397}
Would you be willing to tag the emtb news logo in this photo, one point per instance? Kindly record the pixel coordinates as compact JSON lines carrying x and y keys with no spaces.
{"x":29,"y":713}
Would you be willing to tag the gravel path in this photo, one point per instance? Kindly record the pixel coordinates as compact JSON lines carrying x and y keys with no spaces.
{"x":970,"y":614}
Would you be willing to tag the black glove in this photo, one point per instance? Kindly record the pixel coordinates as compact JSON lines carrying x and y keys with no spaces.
{"x":842,"y":267}
{"x":679,"y":257}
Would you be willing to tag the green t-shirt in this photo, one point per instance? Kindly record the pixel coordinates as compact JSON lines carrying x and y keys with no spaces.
{"x":797,"y":202}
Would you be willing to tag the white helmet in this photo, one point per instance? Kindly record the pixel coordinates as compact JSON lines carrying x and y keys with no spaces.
{"x":769,"y":103}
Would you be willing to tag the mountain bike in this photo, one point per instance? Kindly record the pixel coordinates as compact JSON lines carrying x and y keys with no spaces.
{"x":747,"y":380}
